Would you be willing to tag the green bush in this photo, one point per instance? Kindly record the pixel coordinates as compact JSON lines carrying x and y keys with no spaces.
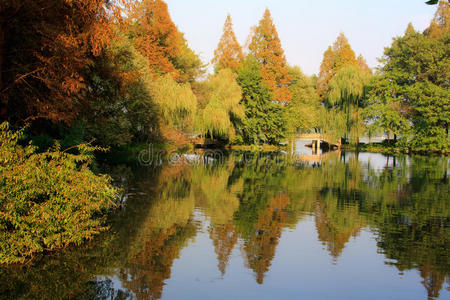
{"x":47,"y":200}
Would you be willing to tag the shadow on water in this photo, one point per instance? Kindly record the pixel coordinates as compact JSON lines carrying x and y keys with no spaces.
{"x":249,"y":202}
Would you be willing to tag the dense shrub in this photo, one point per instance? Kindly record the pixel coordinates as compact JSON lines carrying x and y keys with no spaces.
{"x":47,"y":200}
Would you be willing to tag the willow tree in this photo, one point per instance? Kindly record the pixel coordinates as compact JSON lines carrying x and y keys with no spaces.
{"x":335,"y":58}
{"x":228,"y":53}
{"x":177,"y":103}
{"x":223,"y":111}
{"x":346,"y":92}
{"x":266,"y":48}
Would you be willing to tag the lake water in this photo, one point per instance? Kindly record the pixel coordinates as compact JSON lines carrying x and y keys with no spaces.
{"x":261,"y":226}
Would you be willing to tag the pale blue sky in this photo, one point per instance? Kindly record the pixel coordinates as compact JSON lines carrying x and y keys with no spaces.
{"x":306,"y":27}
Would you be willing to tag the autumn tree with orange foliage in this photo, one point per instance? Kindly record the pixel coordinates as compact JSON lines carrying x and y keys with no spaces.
{"x":335,"y":58}
{"x":266,"y":47}
{"x":363,"y":64}
{"x":155,"y":35}
{"x":441,"y":21}
{"x":228,"y":53}
{"x":326,"y":72}
{"x":45,"y":47}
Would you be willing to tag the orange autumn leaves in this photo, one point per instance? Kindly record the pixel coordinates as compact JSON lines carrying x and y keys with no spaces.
{"x":266,"y":47}
{"x":44,"y":48}
{"x":156,"y":36}
{"x":334,"y":59}
{"x":47,"y":47}
{"x":228,"y":53}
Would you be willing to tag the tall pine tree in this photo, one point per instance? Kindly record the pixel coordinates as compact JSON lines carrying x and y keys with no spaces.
{"x":266,"y":48}
{"x":228,"y":53}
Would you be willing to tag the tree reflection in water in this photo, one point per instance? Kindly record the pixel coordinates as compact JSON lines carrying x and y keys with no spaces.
{"x":247,"y":204}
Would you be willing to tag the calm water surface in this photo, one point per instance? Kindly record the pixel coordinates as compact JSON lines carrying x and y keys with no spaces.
{"x":271,"y":226}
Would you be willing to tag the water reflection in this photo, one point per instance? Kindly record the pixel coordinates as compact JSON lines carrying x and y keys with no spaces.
{"x":248,"y":204}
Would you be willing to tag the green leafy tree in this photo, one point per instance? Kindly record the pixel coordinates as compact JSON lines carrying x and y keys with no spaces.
{"x":412,"y":90}
{"x":121,"y":108}
{"x":264,"y":122}
{"x":188,"y":63}
{"x":304,"y":109}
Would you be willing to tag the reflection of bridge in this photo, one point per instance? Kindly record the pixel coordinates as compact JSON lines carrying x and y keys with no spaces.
{"x":317,"y":138}
{"x":317,"y":158}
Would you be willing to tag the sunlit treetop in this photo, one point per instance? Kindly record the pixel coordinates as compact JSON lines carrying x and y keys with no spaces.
{"x":45,"y":48}
{"x":344,"y":53}
{"x":441,"y":21}
{"x":410,"y":29}
{"x":156,"y":36}
{"x":228,"y":53}
{"x":266,"y":48}
{"x":433,"y":2}
{"x":335,"y":58}
{"x":363,"y":64}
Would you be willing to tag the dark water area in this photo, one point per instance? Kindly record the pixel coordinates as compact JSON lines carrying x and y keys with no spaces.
{"x":261,"y":226}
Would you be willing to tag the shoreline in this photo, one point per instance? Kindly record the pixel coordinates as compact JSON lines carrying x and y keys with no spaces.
{"x":379,"y":148}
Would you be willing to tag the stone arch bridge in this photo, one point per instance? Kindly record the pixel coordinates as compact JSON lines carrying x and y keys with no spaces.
{"x":318,"y":138}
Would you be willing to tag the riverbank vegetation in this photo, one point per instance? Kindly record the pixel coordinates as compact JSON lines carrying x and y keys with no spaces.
{"x":120,"y":74}
{"x":48,"y":200}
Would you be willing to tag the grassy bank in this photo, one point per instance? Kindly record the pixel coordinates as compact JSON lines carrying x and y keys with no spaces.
{"x":389,"y":148}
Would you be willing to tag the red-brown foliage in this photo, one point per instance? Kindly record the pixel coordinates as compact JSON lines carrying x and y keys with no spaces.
{"x":45,"y":47}
{"x":156,"y":36}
